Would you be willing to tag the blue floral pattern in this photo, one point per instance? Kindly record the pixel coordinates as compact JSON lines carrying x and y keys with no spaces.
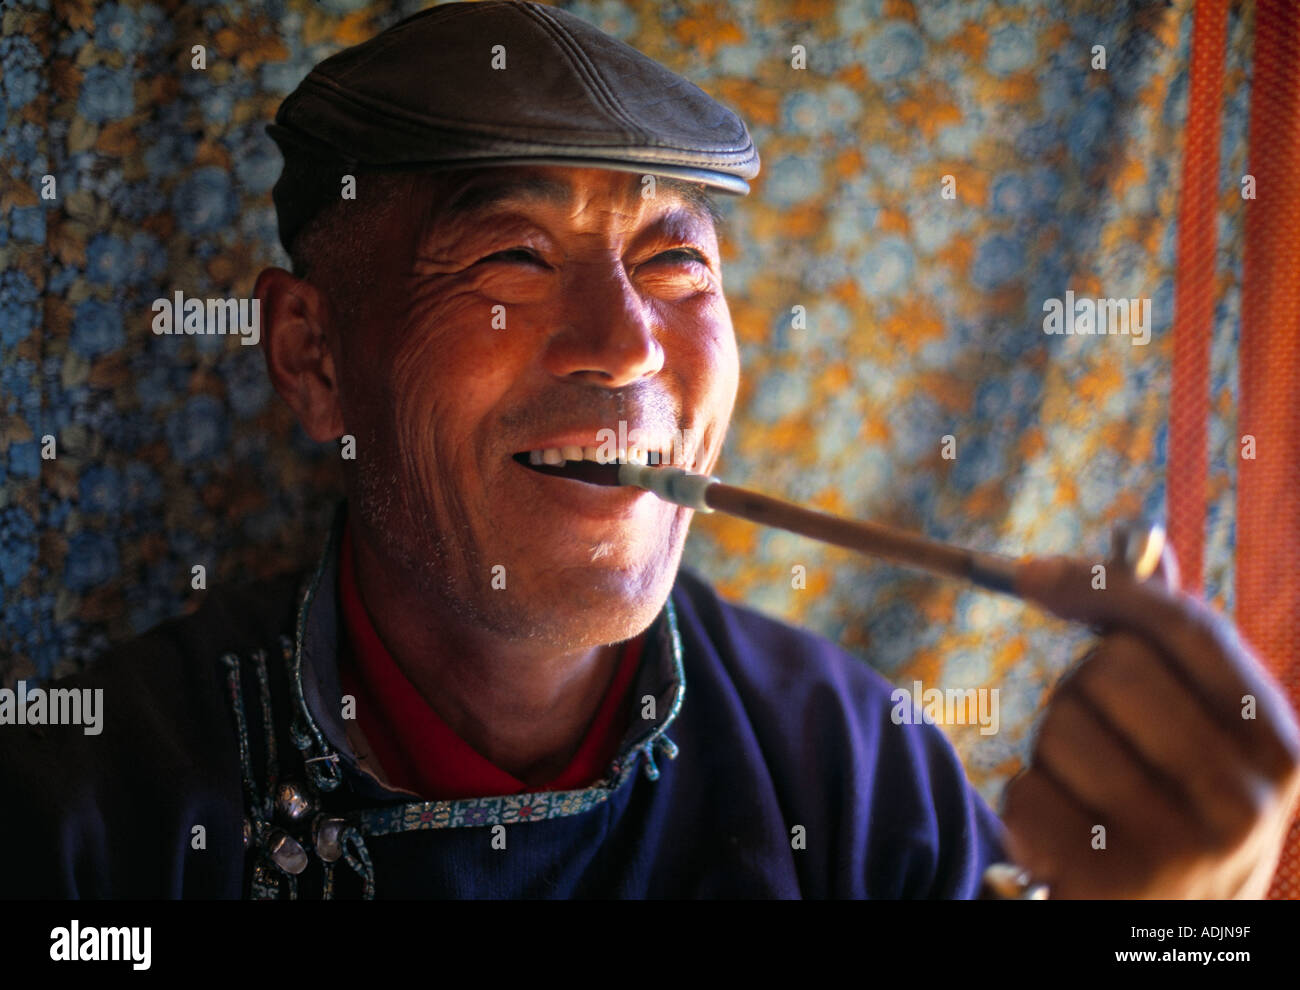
{"x":923,"y":312}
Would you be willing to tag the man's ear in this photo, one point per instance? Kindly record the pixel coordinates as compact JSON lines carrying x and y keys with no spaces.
{"x":297,"y":349}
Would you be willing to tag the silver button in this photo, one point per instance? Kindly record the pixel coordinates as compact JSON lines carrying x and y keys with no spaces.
{"x":292,"y":802}
{"x":287,"y":853}
{"x":327,"y":832}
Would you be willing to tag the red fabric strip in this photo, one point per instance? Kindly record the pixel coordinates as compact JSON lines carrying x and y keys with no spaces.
{"x":1268,"y":487}
{"x":1194,"y":294}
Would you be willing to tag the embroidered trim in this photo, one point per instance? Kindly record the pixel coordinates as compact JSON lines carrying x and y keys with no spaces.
{"x":658,"y":738}
{"x":322,"y":762}
{"x":506,"y":809}
{"x":259,"y":807}
{"x":357,"y":856}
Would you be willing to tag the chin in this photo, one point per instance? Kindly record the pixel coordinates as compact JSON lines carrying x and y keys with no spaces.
{"x":591,"y":605}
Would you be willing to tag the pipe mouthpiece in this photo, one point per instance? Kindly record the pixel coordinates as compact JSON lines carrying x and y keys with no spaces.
{"x":671,"y":484}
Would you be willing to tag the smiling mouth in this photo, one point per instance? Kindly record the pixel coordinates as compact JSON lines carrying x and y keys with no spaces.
{"x":590,"y":472}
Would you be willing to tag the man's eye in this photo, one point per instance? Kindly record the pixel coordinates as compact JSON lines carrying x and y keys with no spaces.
{"x":681,"y":254}
{"x":515,"y":254}
{"x":527,"y":256}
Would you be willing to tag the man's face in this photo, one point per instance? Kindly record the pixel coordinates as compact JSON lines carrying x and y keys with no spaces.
{"x":525,"y":308}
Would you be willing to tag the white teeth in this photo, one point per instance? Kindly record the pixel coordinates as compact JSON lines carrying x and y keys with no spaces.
{"x":556,"y":456}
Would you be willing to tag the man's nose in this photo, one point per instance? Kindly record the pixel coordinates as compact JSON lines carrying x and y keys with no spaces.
{"x":608,"y":332}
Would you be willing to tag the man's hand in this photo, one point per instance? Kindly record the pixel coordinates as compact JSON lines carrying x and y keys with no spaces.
{"x":1170,"y":736}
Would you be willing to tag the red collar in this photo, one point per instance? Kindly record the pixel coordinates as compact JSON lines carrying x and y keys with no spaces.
{"x":417,"y":750}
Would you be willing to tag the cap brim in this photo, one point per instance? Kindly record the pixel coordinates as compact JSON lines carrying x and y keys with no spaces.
{"x":715,"y":180}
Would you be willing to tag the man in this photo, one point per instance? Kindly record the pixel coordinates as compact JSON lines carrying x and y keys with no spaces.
{"x":481,"y":689}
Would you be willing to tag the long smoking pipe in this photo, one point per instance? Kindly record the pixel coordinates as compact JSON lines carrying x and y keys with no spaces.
{"x":1137,"y":546}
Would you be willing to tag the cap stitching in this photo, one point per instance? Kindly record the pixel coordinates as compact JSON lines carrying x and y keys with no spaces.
{"x":578,"y":59}
{"x":612,"y":94}
{"x":395,"y":37}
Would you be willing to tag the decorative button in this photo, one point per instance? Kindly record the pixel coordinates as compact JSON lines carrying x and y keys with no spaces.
{"x":327,"y":832}
{"x":287,"y":853}
{"x":292,"y":802}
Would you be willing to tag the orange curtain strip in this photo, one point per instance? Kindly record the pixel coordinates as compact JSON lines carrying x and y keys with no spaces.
{"x":1268,"y":487}
{"x":1194,"y":294}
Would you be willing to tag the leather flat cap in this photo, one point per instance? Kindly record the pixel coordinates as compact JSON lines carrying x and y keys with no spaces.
{"x":500,"y":82}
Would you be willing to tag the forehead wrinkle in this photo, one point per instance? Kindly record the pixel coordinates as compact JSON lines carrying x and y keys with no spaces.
{"x":479,"y":195}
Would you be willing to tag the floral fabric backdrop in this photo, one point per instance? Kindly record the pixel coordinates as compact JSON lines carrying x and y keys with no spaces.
{"x":923,"y":314}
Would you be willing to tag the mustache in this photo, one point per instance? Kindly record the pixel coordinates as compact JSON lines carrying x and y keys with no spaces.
{"x":566,"y":407}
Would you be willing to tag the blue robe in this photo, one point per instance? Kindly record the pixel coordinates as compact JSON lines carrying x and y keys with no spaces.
{"x":769,"y":767}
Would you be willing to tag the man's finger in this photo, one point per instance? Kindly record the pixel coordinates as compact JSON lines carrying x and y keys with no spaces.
{"x":1086,"y":759}
{"x":1049,"y":835}
{"x":1154,"y":713}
